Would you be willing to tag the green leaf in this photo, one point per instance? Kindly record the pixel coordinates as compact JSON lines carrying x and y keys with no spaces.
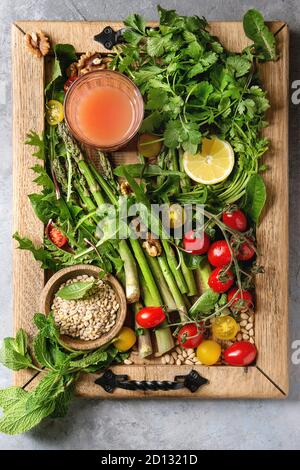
{"x":135,"y":22}
{"x":11,"y":358}
{"x":166,"y":17}
{"x":74,"y":291}
{"x":22,"y":341}
{"x":205,"y":303}
{"x":156,"y":98}
{"x":10,"y":396}
{"x":18,"y":418}
{"x":35,"y":140}
{"x":65,"y":54}
{"x":41,"y":351}
{"x":264,"y":40}
{"x":238,"y":64}
{"x":39,"y":253}
{"x":192,"y":261}
{"x":173,"y":134}
{"x":94,"y":358}
{"x":256,"y":196}
{"x":139,"y":170}
{"x":152,"y":122}
{"x":48,"y":389}
{"x":205,"y":62}
{"x":44,"y":209}
{"x":62,"y":402}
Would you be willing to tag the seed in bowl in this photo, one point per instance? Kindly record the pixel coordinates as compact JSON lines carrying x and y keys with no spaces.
{"x":90,"y":317}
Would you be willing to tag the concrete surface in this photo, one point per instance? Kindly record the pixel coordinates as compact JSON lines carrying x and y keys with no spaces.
{"x":155,"y":424}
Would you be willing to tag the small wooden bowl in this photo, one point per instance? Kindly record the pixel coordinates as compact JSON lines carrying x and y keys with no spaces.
{"x":62,"y":276}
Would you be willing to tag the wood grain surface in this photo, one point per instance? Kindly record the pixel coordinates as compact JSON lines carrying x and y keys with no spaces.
{"x":269,"y":379}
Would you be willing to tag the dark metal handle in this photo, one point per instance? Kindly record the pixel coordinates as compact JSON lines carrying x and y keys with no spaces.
{"x":109,"y":381}
{"x":108,"y":37}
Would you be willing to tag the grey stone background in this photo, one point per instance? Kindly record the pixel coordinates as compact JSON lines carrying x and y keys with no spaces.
{"x":155,"y":424}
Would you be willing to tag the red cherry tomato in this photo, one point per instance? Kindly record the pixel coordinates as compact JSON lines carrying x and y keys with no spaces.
{"x":244,"y":295}
{"x":241,"y":353}
{"x":220,"y":281}
{"x":235,"y":219}
{"x":196,"y":244}
{"x":149,"y":317}
{"x":219,"y":254}
{"x":69,"y":83}
{"x":189,"y":336}
{"x":245,"y":252}
{"x":57,"y":237}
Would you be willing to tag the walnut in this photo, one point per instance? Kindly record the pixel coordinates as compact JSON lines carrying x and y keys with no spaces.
{"x":72,"y":70}
{"x":37,"y":43}
{"x":125,"y":188}
{"x":90,"y":61}
{"x":152,"y":246}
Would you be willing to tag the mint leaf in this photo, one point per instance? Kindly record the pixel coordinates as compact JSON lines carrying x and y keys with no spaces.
{"x":41,"y":351}
{"x":11,"y":358}
{"x":264,"y":40}
{"x":10,"y":396}
{"x":93,"y":358}
{"x":21,"y":341}
{"x":74,"y":291}
{"x":18,"y":418}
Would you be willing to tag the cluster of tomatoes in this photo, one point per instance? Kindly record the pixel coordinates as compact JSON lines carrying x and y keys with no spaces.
{"x":221,"y":280}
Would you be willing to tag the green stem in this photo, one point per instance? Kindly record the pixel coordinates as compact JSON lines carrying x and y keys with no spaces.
{"x":163,"y":335}
{"x":144,"y":340}
{"x":178,"y":297}
{"x":149,"y":279}
{"x":188,"y":276}
{"x":173,"y":264}
{"x":130,"y":268}
{"x":161,"y":282}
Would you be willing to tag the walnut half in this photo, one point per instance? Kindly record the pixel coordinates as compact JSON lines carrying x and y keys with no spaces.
{"x":152,"y":246}
{"x":37,"y":43}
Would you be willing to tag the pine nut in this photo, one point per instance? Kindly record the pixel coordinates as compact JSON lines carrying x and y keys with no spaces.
{"x":172,"y":361}
{"x":163,"y":360}
{"x":251,"y":340}
{"x":243,"y":323}
{"x":167,"y":358}
{"x":244,"y":316}
{"x":192,"y":355}
{"x":189,"y":362}
{"x":184,"y":354}
{"x":174,"y":355}
{"x":180,"y":357}
{"x":249,"y":326}
{"x":190,"y":351}
{"x":239,"y":337}
{"x":128,"y":362}
{"x":178,"y":350}
{"x":245,"y":337}
{"x":178,"y":362}
{"x":251,"y":332}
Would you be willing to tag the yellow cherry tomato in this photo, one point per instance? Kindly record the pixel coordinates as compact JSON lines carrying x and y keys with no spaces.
{"x":208,"y":352}
{"x":176,"y":216}
{"x":225,"y":328}
{"x":125,"y":339}
{"x":54,"y":112}
{"x":148,"y":145}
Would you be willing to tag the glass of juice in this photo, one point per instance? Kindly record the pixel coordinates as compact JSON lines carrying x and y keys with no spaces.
{"x":104,"y":109}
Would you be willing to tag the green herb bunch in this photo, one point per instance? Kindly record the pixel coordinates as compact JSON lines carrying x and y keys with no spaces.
{"x":193,"y":87}
{"x":59,"y":366}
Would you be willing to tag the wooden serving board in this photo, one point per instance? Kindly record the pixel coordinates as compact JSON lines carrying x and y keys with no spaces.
{"x":269,"y":378}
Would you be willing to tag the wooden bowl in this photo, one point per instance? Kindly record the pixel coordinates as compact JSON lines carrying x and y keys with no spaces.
{"x":62,"y":276}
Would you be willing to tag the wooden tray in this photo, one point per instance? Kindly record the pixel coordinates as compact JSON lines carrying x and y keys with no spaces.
{"x":269,"y":378}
